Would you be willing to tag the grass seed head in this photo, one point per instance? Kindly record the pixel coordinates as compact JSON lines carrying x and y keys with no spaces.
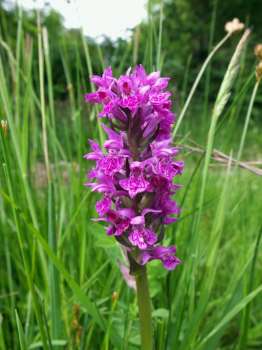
{"x":258,"y":51}
{"x":259,"y":71}
{"x":4,"y":126}
{"x":234,"y":26}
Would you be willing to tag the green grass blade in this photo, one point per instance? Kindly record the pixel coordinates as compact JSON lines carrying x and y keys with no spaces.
{"x":161,"y":18}
{"x":249,"y":111}
{"x":54,"y":281}
{"x":221,"y":101}
{"x":196,"y":82}
{"x":84,"y":299}
{"x":21,"y":335}
{"x":2,"y":339}
{"x":246,"y":316}
{"x":231,"y":314}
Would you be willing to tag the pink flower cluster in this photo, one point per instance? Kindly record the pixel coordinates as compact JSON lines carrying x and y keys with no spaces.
{"x":135,"y":171}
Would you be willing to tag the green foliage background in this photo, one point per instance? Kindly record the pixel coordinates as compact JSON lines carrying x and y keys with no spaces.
{"x":60,"y":283}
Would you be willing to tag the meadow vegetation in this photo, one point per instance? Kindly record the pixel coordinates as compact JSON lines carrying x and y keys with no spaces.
{"x":60,"y":282}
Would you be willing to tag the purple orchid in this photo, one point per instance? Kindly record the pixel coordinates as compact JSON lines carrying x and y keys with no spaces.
{"x":165,"y":254}
{"x":136,"y":167}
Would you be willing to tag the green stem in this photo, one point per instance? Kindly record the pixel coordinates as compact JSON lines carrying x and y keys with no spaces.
{"x":198,"y":78}
{"x":249,"y":111}
{"x":144,"y":306}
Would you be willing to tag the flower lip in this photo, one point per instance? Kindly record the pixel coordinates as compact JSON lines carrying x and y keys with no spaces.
{"x":165,"y":254}
{"x":142,"y":237}
{"x":103,"y":206}
{"x":136,"y":183}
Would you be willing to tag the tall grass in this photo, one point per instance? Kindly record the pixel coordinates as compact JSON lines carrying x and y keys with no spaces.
{"x":60,"y":285}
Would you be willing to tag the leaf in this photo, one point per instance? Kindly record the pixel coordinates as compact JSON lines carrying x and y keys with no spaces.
{"x":21,"y":335}
{"x":232,"y":314}
{"x":160,"y":313}
{"x":90,"y":306}
{"x":58,"y":342}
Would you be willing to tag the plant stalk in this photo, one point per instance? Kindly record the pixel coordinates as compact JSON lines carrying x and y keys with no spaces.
{"x":198,"y":78}
{"x":249,"y":112}
{"x":144,"y":306}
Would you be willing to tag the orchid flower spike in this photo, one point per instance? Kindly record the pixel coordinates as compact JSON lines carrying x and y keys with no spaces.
{"x":135,"y":170}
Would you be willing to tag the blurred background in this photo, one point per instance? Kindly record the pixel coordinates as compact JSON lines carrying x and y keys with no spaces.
{"x":60,"y":282}
{"x":119,"y":34}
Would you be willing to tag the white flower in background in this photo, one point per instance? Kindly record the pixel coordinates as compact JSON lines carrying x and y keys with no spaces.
{"x":234,"y":26}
